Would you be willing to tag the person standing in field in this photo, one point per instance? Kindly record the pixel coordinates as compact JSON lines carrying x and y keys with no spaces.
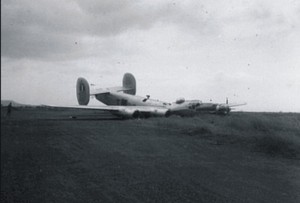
{"x":9,"y":107}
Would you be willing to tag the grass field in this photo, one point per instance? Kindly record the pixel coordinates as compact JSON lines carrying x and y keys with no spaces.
{"x":46,"y":156}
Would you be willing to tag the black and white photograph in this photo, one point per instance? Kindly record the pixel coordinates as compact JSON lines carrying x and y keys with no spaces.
{"x":150,"y":101}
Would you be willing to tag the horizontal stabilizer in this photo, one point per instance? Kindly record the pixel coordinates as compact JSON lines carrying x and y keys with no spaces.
{"x":108,"y":90}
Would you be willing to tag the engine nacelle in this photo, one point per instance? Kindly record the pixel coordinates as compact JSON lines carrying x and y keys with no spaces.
{"x":161,"y":113}
{"x":222,"y":109}
{"x":180,"y":100}
{"x":129,"y":113}
{"x":134,"y":113}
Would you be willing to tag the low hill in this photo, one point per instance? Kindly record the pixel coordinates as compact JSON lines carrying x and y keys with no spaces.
{"x":14,"y":104}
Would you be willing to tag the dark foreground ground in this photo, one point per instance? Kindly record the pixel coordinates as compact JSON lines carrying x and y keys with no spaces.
{"x":245,"y":157}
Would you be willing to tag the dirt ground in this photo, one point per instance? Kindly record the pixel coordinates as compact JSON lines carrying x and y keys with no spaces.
{"x":47,"y":156}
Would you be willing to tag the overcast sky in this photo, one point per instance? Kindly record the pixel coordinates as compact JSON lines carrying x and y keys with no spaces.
{"x":248,"y":51}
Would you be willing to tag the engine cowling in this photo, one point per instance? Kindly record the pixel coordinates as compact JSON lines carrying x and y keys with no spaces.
{"x":222,"y":109}
{"x":161,"y":113}
{"x":129,"y":113}
{"x":134,"y":113}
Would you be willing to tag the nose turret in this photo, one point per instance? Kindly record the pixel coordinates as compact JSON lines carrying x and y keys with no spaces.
{"x":223,"y":109}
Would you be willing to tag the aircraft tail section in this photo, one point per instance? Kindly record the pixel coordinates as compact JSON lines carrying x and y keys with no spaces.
{"x":82,"y":91}
{"x":129,"y":84}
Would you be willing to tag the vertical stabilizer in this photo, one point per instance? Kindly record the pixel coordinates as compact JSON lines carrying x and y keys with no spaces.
{"x":82,"y":91}
{"x":129,"y":83}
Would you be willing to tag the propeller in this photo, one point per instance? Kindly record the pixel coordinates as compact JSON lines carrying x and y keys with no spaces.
{"x":225,"y":108}
{"x":228,"y":109}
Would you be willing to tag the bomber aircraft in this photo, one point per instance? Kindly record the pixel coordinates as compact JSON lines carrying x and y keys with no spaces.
{"x":123,"y":101}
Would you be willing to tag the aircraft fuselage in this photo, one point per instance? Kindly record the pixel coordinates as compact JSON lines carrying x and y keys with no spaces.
{"x":186,"y":108}
{"x":122,"y":99}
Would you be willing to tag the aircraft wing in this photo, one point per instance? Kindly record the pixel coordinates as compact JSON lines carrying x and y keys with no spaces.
{"x":232,"y":105}
{"x":124,"y":111}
